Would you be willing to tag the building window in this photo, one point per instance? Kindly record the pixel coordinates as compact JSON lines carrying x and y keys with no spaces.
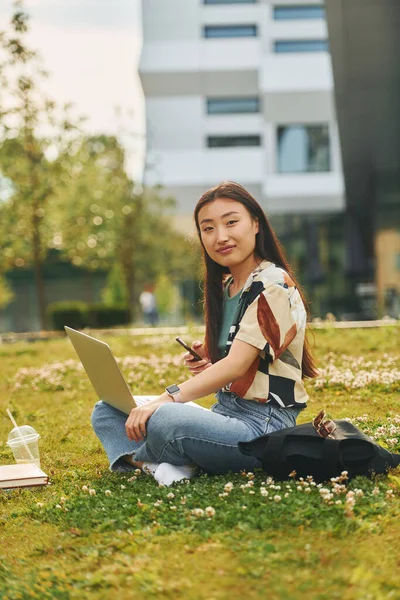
{"x":230,"y":31}
{"x":226,"y":106}
{"x":306,"y":11}
{"x":230,"y":1}
{"x":303,"y":148}
{"x":301,"y":46}
{"x":233,"y":141}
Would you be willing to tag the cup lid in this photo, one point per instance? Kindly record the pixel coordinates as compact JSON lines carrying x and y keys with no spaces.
{"x":26,"y":431}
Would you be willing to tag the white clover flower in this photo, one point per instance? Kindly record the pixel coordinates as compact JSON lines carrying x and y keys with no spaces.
{"x":251,"y":492}
{"x":198,"y":512}
{"x":58,"y":506}
{"x":286,"y":494}
{"x":92,"y":492}
{"x":277,"y":498}
{"x":123,"y":487}
{"x":228,"y":487}
{"x":375,"y":491}
{"x":307,"y":490}
{"x":137,"y":472}
{"x":210,"y":511}
{"x":39,"y":504}
{"x":108,"y":492}
{"x":170,"y":495}
{"x":338,"y":502}
{"x":85,"y":488}
{"x":172,"y":507}
{"x":244,"y":507}
{"x":389,"y":494}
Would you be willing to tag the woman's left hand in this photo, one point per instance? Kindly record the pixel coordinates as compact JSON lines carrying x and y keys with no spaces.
{"x":135,"y":425}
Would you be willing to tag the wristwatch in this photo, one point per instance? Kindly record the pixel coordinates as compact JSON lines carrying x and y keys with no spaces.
{"x":175,"y":392}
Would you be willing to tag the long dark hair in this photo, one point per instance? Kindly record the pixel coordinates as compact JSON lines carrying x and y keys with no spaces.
{"x":267,"y":247}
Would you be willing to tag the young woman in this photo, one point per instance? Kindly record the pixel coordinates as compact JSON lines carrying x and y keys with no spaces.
{"x":255,"y":355}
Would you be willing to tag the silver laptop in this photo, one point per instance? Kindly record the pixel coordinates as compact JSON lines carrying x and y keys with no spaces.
{"x":103,"y":371}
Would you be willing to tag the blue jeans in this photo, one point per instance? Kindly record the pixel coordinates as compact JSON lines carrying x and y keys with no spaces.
{"x":184,"y":435}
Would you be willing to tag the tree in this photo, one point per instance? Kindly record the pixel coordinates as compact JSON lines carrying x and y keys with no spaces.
{"x":34,"y":132}
{"x":106,"y":221}
{"x":6,"y":294}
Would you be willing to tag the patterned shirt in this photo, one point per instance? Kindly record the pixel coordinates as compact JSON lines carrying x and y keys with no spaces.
{"x":271,"y":316}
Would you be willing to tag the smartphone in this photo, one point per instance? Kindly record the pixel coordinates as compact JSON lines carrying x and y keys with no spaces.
{"x":189,"y":349}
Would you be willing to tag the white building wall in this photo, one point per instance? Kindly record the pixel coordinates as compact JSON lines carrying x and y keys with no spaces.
{"x":179,"y":69}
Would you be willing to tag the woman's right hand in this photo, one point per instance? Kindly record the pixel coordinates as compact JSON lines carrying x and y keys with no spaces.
{"x":196,"y":366}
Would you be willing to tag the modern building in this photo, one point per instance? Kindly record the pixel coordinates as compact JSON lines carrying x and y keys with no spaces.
{"x":243,"y":90}
{"x":365,"y":44}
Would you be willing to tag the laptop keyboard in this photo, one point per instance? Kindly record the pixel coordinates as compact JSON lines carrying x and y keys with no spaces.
{"x":140,"y":400}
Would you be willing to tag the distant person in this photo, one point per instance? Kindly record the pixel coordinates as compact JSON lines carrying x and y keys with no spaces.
{"x":255,"y":356}
{"x":149,"y":307}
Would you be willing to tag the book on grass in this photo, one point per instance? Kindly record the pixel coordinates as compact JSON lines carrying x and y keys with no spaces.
{"x":21,"y":475}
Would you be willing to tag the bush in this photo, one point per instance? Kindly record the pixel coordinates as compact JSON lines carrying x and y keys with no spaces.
{"x":73,"y":314}
{"x":79,"y":315}
{"x":103,"y":315}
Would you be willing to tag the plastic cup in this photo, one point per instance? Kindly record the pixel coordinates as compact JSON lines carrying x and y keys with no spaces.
{"x":22,"y":438}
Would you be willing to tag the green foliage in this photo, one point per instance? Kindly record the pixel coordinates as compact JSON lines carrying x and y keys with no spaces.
{"x":72,"y":193}
{"x":71,"y":313}
{"x":115,"y":291}
{"x":102,"y":315}
{"x":6,"y":293}
{"x":33,"y":133}
{"x":79,"y":315}
{"x":166,"y":295}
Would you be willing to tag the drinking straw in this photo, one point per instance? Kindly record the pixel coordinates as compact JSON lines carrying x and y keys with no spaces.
{"x":20,"y":435}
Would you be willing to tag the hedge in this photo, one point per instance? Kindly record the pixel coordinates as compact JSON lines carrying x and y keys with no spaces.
{"x":79,"y":315}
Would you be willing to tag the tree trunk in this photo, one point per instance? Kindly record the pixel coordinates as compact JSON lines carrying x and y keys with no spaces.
{"x":38,"y":270}
{"x":127,"y":261}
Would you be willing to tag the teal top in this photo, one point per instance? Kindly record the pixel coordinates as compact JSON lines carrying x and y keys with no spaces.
{"x":229,"y":310}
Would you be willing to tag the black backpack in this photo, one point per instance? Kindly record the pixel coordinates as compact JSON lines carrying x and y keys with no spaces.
{"x":303,"y":450}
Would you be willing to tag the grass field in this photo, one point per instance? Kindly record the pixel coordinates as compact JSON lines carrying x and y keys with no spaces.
{"x":232,"y":536}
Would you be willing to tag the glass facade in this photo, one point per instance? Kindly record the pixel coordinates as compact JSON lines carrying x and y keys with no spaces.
{"x":233,"y":141}
{"x":303,"y":148}
{"x":284,"y":46}
{"x":305,"y":11}
{"x":226,"y":106}
{"x":230,"y":31}
{"x":315,"y":247}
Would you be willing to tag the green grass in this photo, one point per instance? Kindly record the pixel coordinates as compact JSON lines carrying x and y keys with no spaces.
{"x":133,"y":539}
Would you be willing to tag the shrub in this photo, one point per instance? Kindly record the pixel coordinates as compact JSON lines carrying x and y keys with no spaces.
{"x":103,"y":315}
{"x":79,"y":315}
{"x":71,"y":313}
